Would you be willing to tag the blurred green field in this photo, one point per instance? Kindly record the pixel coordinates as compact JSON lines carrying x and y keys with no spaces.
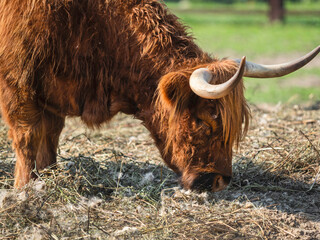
{"x":236,"y":35}
{"x":248,"y":5}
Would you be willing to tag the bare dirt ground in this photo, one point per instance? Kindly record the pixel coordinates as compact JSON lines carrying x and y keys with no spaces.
{"x":112,"y":184}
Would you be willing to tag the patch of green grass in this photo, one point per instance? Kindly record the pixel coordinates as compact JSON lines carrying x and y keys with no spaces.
{"x":303,"y":6}
{"x":284,"y":90}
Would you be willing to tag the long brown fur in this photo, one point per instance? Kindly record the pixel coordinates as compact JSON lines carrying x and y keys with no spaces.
{"x":95,"y":58}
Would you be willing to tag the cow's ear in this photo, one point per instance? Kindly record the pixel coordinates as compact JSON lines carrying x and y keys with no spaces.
{"x":174,"y":90}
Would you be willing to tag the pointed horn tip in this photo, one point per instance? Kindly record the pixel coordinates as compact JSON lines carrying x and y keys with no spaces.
{"x":242,"y":65}
{"x":240,"y":62}
{"x":243,"y":60}
{"x":315,"y":51}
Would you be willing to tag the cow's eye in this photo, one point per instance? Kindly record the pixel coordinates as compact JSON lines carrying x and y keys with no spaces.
{"x":207,"y":121}
{"x":214,"y":116}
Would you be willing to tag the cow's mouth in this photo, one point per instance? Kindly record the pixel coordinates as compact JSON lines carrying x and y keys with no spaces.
{"x":212,"y":182}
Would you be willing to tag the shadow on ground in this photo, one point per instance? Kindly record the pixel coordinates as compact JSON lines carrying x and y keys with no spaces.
{"x":89,"y":178}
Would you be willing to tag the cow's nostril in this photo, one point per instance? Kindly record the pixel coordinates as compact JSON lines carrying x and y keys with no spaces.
{"x":220,"y":182}
{"x":210,"y":182}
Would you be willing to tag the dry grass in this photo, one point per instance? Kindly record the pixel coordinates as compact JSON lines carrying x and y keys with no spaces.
{"x":112,"y":184}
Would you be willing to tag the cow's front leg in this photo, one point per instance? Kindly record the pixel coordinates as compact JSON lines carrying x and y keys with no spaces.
{"x":51,"y":127}
{"x":36,"y":145}
{"x":35,"y":134}
{"x":25,"y":145}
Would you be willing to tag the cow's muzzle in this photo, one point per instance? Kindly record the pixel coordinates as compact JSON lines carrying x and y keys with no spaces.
{"x":212,"y":182}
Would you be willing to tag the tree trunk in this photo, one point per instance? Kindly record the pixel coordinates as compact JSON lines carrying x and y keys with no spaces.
{"x":276,"y":13}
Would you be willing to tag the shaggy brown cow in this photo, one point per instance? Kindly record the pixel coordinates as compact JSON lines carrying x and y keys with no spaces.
{"x":95,"y":58}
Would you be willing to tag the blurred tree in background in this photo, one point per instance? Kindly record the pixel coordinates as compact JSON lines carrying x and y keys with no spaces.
{"x":276,"y":10}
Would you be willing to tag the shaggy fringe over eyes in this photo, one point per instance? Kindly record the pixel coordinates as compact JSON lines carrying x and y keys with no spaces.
{"x":174,"y":97}
{"x":233,"y":108}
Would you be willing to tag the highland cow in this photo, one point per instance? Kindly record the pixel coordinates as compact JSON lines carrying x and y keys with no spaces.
{"x":95,"y":58}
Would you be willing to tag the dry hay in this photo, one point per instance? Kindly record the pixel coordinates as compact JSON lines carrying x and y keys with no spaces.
{"x":112,"y":184}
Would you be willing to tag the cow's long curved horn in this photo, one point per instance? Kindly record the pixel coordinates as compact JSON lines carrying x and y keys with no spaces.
{"x":200,"y":82}
{"x":270,"y":71}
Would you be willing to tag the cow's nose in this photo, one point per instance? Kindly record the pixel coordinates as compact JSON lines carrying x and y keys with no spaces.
{"x":220,"y":182}
{"x":211,"y":182}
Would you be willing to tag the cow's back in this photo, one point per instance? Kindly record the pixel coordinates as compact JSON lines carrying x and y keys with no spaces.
{"x":67,"y":38}
{"x":62,"y":52}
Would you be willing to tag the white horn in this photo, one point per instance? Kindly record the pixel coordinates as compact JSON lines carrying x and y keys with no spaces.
{"x":270,"y":71}
{"x":200,"y":82}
